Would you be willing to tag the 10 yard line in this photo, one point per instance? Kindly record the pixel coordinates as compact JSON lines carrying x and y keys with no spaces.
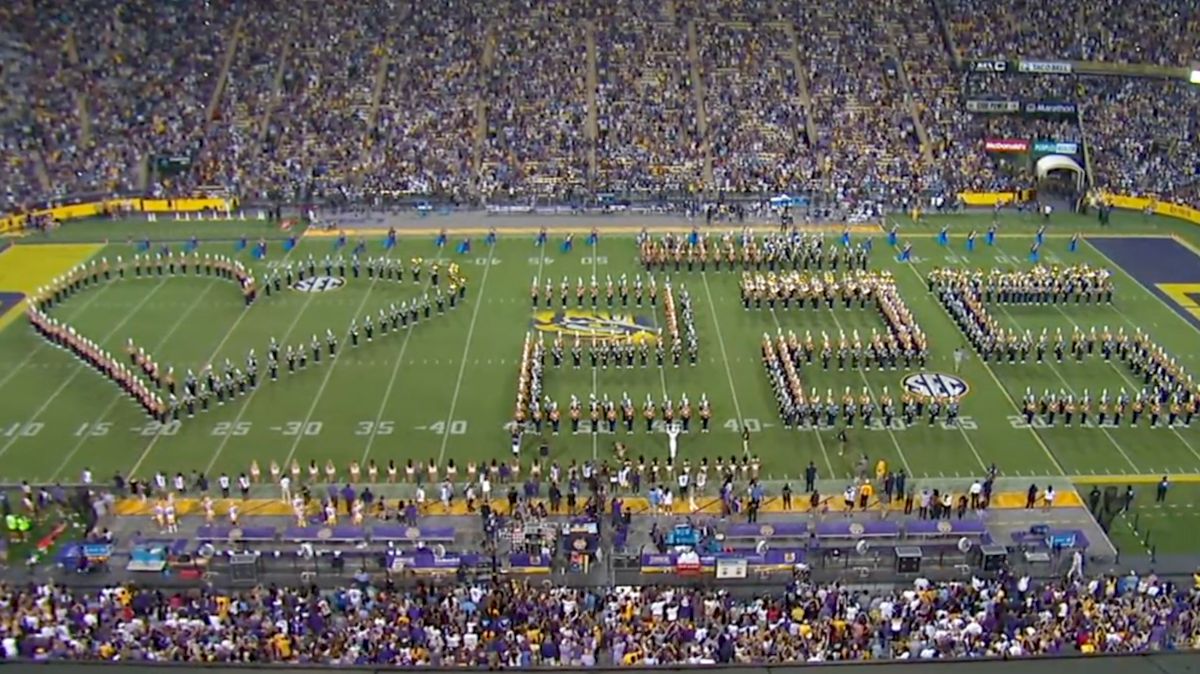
{"x":67,"y":382}
{"x":212,"y":283}
{"x":462,"y":368}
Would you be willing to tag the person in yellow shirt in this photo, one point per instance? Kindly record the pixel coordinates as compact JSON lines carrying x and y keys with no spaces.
{"x":880,"y":470}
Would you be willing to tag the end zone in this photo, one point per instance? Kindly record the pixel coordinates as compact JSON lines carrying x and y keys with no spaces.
{"x":26,"y":268}
{"x":1163,"y":265}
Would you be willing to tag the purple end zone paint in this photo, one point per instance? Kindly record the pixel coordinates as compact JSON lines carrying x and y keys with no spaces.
{"x":4,"y":245}
{"x":9,"y":300}
{"x":1154,"y":260}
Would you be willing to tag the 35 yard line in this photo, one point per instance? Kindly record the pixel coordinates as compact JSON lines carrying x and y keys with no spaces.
{"x":67,"y":382}
{"x":216,"y":352}
{"x":333,"y":363}
{"x":712,"y":307}
{"x":462,"y":368}
{"x":212,"y":283}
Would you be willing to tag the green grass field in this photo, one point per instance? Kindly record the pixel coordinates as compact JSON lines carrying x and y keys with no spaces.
{"x":446,"y":389}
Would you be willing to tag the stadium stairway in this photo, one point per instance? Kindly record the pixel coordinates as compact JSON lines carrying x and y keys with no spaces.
{"x":699,"y":95}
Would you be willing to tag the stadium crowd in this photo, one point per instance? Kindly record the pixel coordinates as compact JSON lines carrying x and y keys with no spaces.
{"x":860,"y":102}
{"x":510,"y":624}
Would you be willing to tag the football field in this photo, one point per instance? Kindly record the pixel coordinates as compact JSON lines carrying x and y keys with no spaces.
{"x":446,"y":388}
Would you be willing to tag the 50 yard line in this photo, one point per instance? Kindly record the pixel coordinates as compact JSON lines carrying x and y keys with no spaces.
{"x":462,"y":368}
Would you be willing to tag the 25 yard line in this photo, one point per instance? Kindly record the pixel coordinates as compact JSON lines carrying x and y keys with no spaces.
{"x":462,"y":368}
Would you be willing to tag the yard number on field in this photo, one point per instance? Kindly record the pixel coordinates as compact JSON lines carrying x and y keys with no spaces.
{"x":26,"y":429}
{"x":374,"y":428}
{"x":456,"y":427}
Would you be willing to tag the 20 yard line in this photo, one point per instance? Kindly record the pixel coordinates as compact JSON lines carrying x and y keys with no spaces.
{"x":462,"y":368}
{"x":67,"y":382}
{"x":987,"y":368}
{"x":212,"y":283}
{"x":216,"y":352}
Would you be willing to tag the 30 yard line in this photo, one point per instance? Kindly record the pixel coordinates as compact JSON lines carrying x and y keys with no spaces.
{"x":712,"y":307}
{"x":333,"y":363}
{"x":67,"y":382}
{"x":820,"y":440}
{"x":216,"y":352}
{"x":890,"y":432}
{"x":212,"y":283}
{"x":987,"y":368}
{"x":462,"y":368}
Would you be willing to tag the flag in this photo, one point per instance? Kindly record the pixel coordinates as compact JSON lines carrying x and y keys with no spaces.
{"x":593,"y":237}
{"x":991,"y":235}
{"x":360,"y":248}
{"x":540,"y":240}
{"x":289,"y":244}
{"x":340,"y":243}
{"x":143,"y":245}
{"x":943,"y":237}
{"x":971,"y":242}
{"x":1073,"y":246}
{"x":906,"y":254}
{"x":390,"y":242}
{"x":568,"y":243}
{"x":894,"y":236}
{"x":846,"y":237}
{"x":1034,"y":254}
{"x":464,"y":246}
{"x":441,"y":239}
{"x":491,"y":237}
{"x":192,"y":244}
{"x":240,"y":245}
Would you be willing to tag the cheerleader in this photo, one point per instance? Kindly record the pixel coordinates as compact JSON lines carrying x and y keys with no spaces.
{"x":372,"y":472}
{"x":357,"y":513}
{"x":330,"y":472}
{"x":210,"y":511}
{"x":330,"y":515}
{"x":355,"y":472}
{"x":233,"y":514}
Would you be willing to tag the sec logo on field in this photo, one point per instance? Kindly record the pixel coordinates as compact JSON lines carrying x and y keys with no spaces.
{"x":319,"y":284}
{"x":935,"y":385}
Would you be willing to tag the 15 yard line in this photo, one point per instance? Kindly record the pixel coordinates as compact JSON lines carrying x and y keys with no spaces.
{"x":212,"y":283}
{"x":462,"y":368}
{"x":67,"y":382}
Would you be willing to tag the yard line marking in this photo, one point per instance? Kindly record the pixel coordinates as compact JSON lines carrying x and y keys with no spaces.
{"x":892,"y":434}
{"x":67,"y":382}
{"x":1123,"y":373}
{"x":42,"y":344}
{"x":466,"y":351}
{"x":595,"y":383}
{"x":333,"y":363}
{"x":820,"y":441}
{"x":1058,"y":373}
{"x":212,"y":283}
{"x":387,"y":394}
{"x":737,"y":407}
{"x":216,"y":352}
{"x":987,"y":368}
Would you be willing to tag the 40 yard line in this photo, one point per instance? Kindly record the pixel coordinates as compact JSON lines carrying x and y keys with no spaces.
{"x":67,"y":382}
{"x":462,"y":368}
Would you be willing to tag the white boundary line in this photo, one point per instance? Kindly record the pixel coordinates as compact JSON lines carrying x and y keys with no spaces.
{"x":212,"y":283}
{"x":41,"y":343}
{"x":462,"y":368}
{"x":67,"y":382}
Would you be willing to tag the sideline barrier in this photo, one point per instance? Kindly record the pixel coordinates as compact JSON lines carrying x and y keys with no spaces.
{"x":15,"y":223}
{"x":992,"y":198}
{"x":1166,"y":208}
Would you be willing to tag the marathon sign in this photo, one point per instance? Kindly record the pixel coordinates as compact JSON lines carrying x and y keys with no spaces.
{"x":987,"y":66}
{"x":994,"y":107}
{"x":1006,"y":145}
{"x":1054,"y":147}
{"x":1045,"y":67}
{"x":1049,"y":108}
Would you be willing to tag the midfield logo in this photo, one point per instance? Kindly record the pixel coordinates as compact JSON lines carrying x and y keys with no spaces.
{"x":319,"y":284}
{"x":935,"y":385}
{"x":596,"y":325}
